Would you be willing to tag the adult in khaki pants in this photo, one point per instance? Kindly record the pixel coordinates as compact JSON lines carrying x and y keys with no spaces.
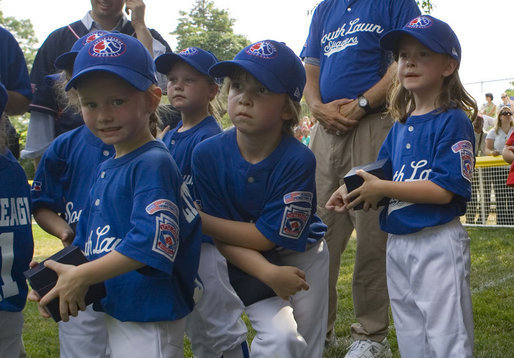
{"x":347,"y":79}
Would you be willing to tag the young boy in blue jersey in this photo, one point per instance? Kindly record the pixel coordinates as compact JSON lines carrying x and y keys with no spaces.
{"x":140,"y":229}
{"x":430,"y":149}
{"x":215,"y":326}
{"x":16,"y":244}
{"x":255,"y":183}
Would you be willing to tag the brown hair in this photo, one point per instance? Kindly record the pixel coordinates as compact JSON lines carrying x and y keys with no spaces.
{"x":452,"y":95}
{"x":292,"y":106}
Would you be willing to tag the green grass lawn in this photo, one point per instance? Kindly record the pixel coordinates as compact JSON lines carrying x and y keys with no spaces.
{"x":492,"y":284}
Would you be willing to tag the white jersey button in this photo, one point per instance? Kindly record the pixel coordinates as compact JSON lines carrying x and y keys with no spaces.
{"x":97,"y":202}
{"x":106,"y":152}
{"x":251,"y":179}
{"x":411,"y":128}
{"x":407,"y":146}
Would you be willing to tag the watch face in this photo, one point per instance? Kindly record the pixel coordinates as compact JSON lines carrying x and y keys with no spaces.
{"x":363,"y":102}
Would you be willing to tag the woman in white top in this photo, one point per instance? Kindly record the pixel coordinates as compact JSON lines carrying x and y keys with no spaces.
{"x":494,"y":143}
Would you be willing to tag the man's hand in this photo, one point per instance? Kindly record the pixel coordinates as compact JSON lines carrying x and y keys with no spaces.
{"x":136,"y":10}
{"x":330,"y":116}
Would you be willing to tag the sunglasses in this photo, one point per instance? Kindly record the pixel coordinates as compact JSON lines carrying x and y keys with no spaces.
{"x":504,"y":96}
{"x":506,"y":114}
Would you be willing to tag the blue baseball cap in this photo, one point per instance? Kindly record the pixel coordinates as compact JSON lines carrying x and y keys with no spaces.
{"x":272,"y":63}
{"x":119,"y":54}
{"x":195,"y":57}
{"x":435,"y":34}
{"x":3,"y":98}
{"x":66,"y":59}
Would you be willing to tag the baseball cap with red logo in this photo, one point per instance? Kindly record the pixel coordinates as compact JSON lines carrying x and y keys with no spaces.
{"x":435,"y":34}
{"x":119,"y":54}
{"x":272,"y":63}
{"x":199,"y":59}
{"x":66,"y":59}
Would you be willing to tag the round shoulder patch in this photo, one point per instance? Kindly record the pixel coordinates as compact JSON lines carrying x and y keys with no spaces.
{"x":420,"y":22}
{"x":108,"y":46}
{"x":263,"y":49}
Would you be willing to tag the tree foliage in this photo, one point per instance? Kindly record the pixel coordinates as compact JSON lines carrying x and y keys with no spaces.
{"x":23,"y":32}
{"x":210,"y":29}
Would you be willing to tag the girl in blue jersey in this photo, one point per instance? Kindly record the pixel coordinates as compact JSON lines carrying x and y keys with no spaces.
{"x":140,"y":229}
{"x":215,"y":327}
{"x":430,"y":149}
{"x":16,"y":244}
{"x":255,"y":184}
{"x":60,"y":190}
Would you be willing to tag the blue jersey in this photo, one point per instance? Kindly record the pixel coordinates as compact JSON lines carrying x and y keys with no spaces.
{"x":344,"y":36}
{"x":140,"y":207}
{"x":67,"y":171}
{"x":437,"y":146}
{"x":181,"y":144}
{"x":13,"y":69}
{"x":16,"y":243}
{"x":278,"y":194}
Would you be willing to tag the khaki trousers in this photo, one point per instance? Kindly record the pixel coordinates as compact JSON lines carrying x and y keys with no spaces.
{"x":335,"y":156}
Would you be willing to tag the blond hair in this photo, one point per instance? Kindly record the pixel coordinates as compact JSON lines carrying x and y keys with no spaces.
{"x":452,"y":95}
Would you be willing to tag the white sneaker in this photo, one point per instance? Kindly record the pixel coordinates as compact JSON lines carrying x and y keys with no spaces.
{"x":369,"y":349}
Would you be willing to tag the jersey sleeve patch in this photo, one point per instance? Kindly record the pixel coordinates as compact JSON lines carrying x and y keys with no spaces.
{"x":37,"y":186}
{"x":298,"y":196}
{"x":166,"y":241}
{"x":162,"y":205}
{"x":294,"y":220}
{"x":467,"y":159}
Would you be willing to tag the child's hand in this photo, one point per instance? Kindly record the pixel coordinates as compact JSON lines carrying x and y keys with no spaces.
{"x":368,"y":193}
{"x":336,"y":201}
{"x":69,"y":288}
{"x":161,"y":134}
{"x":34,"y":297}
{"x":286,"y":281}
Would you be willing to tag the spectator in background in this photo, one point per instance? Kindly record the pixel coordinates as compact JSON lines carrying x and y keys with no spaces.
{"x":488,"y":108}
{"x":15,"y":77}
{"x":494,"y":145}
{"x":473,"y":208}
{"x":505,"y":100}
{"x":508,"y":156}
{"x":104,"y":15}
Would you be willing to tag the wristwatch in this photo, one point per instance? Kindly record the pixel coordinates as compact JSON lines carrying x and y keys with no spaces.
{"x":364,"y":104}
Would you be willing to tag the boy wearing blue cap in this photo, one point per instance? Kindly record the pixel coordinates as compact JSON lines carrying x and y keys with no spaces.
{"x":140,"y":229}
{"x":16,"y":243}
{"x":255,"y":184}
{"x":430,"y":148}
{"x":215,"y":327}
